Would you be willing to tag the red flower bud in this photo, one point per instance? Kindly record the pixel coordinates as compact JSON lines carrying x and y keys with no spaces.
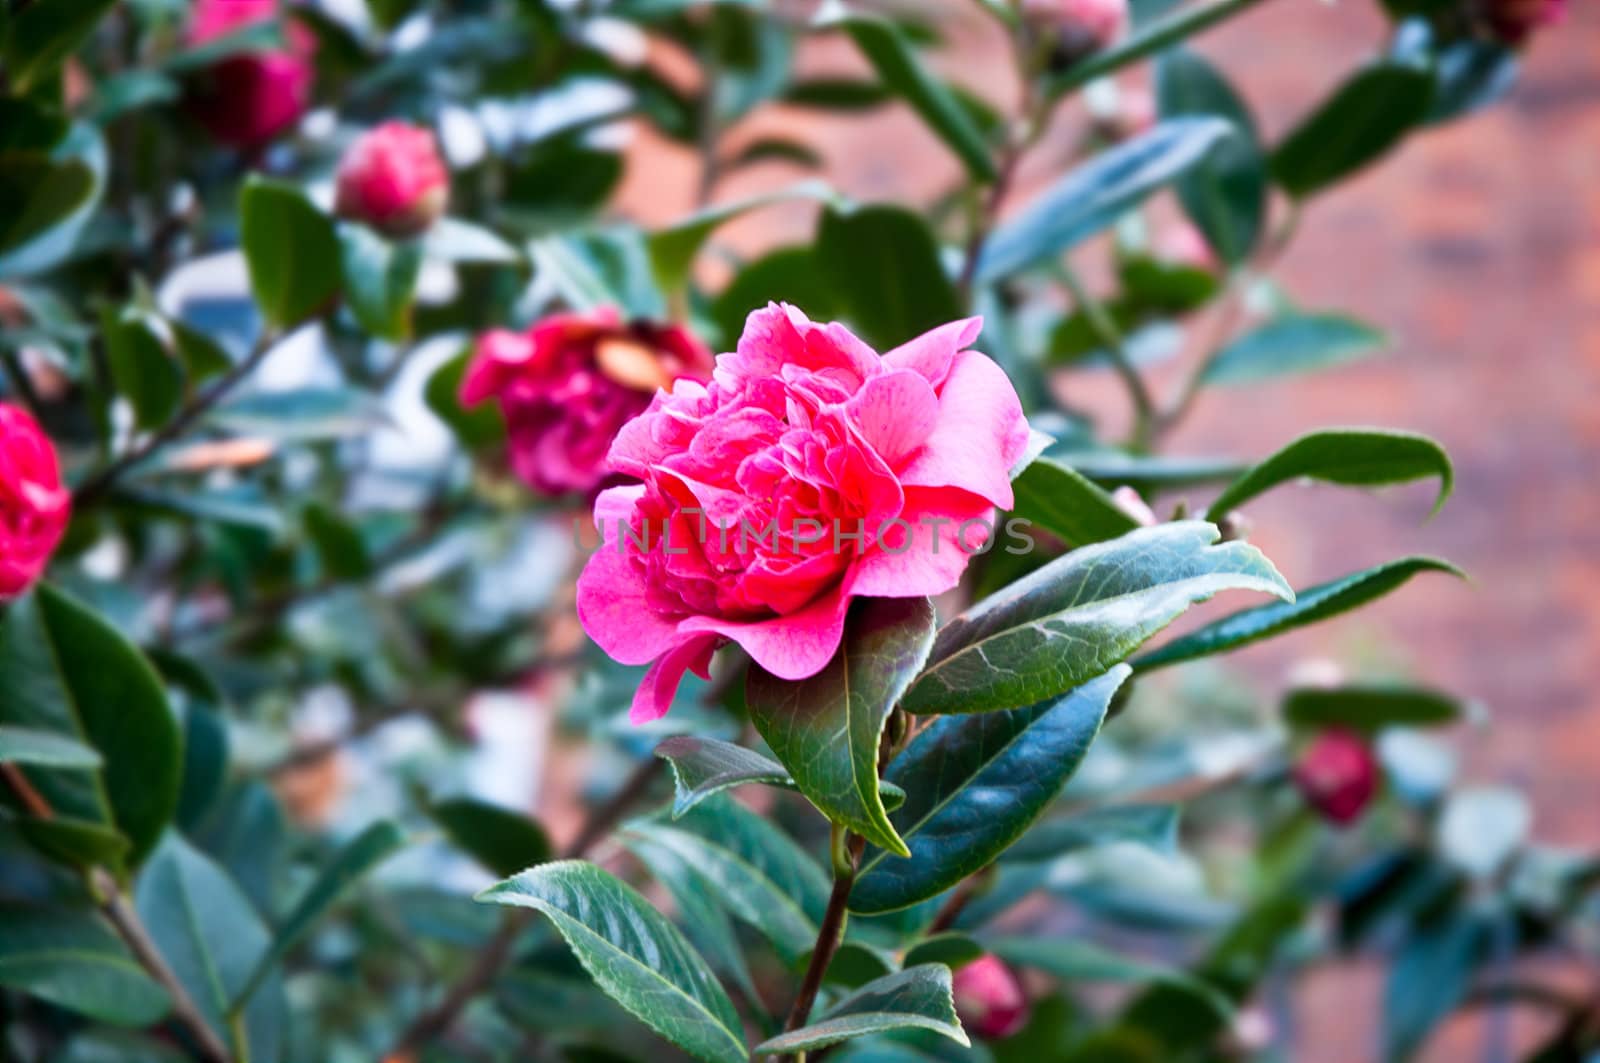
{"x":567,"y":385}
{"x":990,"y":999}
{"x":34,"y":507}
{"x":1338,"y":775}
{"x":247,"y":100}
{"x":394,"y":180}
{"x":1078,"y":27}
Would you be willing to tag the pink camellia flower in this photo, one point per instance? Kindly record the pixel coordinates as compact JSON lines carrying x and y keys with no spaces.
{"x":1080,"y":27}
{"x":246,"y":100}
{"x":394,"y":180}
{"x":810,"y":471}
{"x":1514,"y":21}
{"x":34,"y":507}
{"x":1338,"y":774}
{"x":989,"y":999}
{"x":568,"y":384}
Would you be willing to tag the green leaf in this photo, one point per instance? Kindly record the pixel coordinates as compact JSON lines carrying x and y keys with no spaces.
{"x":1148,"y":39}
{"x":1056,"y":497}
{"x":66,"y":671}
{"x":44,"y":749}
{"x":837,"y":94}
{"x":1155,"y":826}
{"x":73,"y":960}
{"x":1225,"y":195}
{"x":39,"y":193}
{"x":380,"y":278}
{"x":902,"y":72}
{"x":1075,"y":960}
{"x":44,"y":33}
{"x":768,"y":850}
{"x":213,"y":940}
{"x":1112,"y":469}
{"x":1092,"y":197}
{"x":1292,"y":343}
{"x":1078,"y":615}
{"x":634,"y":955}
{"x":1309,"y":606}
{"x":358,"y":856}
{"x":502,"y":840}
{"x":73,"y":841}
{"x":292,"y":251}
{"x":826,"y":729}
{"x":704,"y":767}
{"x":1361,"y":457}
{"x":882,"y":266}
{"x":917,"y":998}
{"x":340,"y":547}
{"x":479,"y":428}
{"x":1369,"y":708}
{"x":673,"y":249}
{"x":202,"y":357}
{"x":1368,"y":115}
{"x":974,"y":785}
{"x":455,"y":240}
{"x":775,"y":149}
{"x":303,"y":414}
{"x":1469,"y":76}
{"x":1430,"y":978}
{"x":144,"y":372}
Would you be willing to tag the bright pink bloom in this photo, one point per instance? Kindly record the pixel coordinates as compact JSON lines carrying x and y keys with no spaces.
{"x":811,"y":470}
{"x":1338,"y":774}
{"x":247,"y":100}
{"x":1082,"y":26}
{"x":1181,"y":243}
{"x":569,"y":384}
{"x":1514,"y":21}
{"x":990,"y":999}
{"x":394,"y":180}
{"x":34,"y":507}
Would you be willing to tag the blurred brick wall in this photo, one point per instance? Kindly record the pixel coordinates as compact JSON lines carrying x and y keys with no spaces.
{"x":1478,"y":248}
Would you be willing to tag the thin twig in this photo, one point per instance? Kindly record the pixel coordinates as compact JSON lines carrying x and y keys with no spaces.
{"x":847,"y":851}
{"x":497,"y":952}
{"x":1144,"y":406}
{"x":100,"y":483}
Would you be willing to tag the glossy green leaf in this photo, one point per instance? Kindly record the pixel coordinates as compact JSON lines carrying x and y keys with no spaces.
{"x":291,"y":249}
{"x":837,"y":94}
{"x":202,"y":357}
{"x":757,"y":842}
{"x":144,"y":372}
{"x":1225,"y":194}
{"x":826,"y":729}
{"x":882,"y":266}
{"x":775,"y":149}
{"x":455,"y":240}
{"x":1470,"y":75}
{"x":1074,"y":960}
{"x":380,"y":278}
{"x":75,"y":961}
{"x":40,"y":193}
{"x":482,"y":426}
{"x":951,"y":948}
{"x":303,"y":414}
{"x":1430,"y":977}
{"x":633,"y":953}
{"x":1369,"y":708}
{"x":704,"y":767}
{"x":673,"y":249}
{"x":1361,"y":457}
{"x":44,"y":33}
{"x":73,"y":841}
{"x":891,"y":55}
{"x":213,"y":940}
{"x":1310,"y":605}
{"x":1073,"y":619}
{"x":501,"y":839}
{"x":1155,"y":826}
{"x":917,"y":998}
{"x":974,"y":785}
{"x":1368,"y":115}
{"x":1113,"y":469}
{"x":340,"y":548}
{"x":1058,"y":498}
{"x":44,"y":749}
{"x":1090,"y":198}
{"x":354,"y":859}
{"x":1150,"y":37}
{"x":67,"y":671}
{"x":1292,"y":343}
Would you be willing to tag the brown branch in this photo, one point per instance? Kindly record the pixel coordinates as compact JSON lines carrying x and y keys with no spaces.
{"x":434,"y":1022}
{"x":830,"y":933}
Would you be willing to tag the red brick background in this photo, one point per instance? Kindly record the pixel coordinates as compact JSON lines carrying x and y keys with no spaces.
{"x":1478,"y":248}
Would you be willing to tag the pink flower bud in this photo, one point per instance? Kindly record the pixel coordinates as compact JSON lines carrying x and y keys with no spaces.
{"x":1184,"y":245}
{"x":1080,"y":27}
{"x":248,"y":99}
{"x":34,"y":507}
{"x":394,"y":180}
{"x":569,"y":384}
{"x":1133,"y":504}
{"x":1338,"y":775}
{"x":1514,"y":21}
{"x":990,"y":999}
{"x":1135,"y":113}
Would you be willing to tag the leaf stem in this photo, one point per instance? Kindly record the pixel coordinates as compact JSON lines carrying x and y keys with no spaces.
{"x":100,"y":482}
{"x":846,"y":849}
{"x":1144,"y":406}
{"x":497,"y":951}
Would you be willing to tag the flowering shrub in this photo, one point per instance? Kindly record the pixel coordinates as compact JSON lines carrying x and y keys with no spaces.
{"x":339,"y":402}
